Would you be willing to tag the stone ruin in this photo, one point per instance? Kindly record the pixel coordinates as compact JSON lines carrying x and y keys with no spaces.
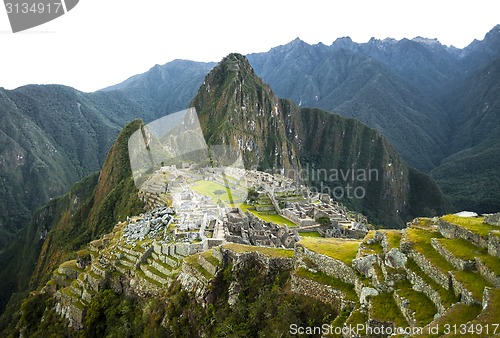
{"x":493,"y":219}
{"x":149,"y":225}
{"x":245,"y":228}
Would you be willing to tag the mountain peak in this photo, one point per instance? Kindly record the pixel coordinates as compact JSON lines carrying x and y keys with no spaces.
{"x":237,"y":109}
{"x":343,"y":41}
{"x":296,"y":43}
{"x":235,"y":62}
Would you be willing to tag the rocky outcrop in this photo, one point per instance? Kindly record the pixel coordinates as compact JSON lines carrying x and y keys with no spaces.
{"x":365,"y":265}
{"x":395,"y":259}
{"x":365,"y":293}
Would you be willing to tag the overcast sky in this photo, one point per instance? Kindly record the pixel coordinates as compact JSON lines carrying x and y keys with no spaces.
{"x":103,"y":42}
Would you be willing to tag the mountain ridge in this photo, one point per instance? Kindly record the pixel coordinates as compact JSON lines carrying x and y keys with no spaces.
{"x":238,"y":109}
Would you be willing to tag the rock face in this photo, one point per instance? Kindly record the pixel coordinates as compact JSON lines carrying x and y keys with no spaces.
{"x":395,"y":259}
{"x":365,"y":265}
{"x":365,"y":292}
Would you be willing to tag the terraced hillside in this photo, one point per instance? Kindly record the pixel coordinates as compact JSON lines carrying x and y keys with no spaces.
{"x":437,"y":277}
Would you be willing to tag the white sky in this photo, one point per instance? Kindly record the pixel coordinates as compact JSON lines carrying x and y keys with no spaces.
{"x":103,"y":42}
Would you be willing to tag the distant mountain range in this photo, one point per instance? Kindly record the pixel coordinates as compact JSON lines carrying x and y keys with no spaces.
{"x":426,"y":98}
{"x":406,"y":89}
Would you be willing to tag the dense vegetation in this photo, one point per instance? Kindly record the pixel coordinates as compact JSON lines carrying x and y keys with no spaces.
{"x":68,"y":223}
{"x":470,"y":175}
{"x":437,"y":105}
{"x":264,"y":309}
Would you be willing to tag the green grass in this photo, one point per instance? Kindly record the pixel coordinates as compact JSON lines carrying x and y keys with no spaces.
{"x":79,"y":305}
{"x":157,"y":272}
{"x":94,"y":275}
{"x":493,"y":263}
{"x":465,"y":250}
{"x":341,"y":249}
{"x":211,"y":259}
{"x":193,"y":261}
{"x":424,"y":308}
{"x":69,"y":292}
{"x":421,"y":241}
{"x":208,"y":188}
{"x":474,"y":224}
{"x":393,"y":238}
{"x":314,"y":234}
{"x":473,"y":282}
{"x":273,"y":252}
{"x":459,"y":314}
{"x":71,"y":265}
{"x":323,"y":278}
{"x":462,"y":249}
{"x":357,"y":317}
{"x":384,"y":308}
{"x":447,"y":296}
{"x":339,"y":322}
{"x":267,"y":217}
{"x":491,"y":314}
{"x":373,"y":248}
{"x":141,"y":274}
{"x":163,"y":264}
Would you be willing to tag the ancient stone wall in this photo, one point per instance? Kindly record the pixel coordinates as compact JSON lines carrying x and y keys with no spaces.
{"x":325,"y":264}
{"x":457,"y":263}
{"x":321,"y":292}
{"x":420,"y":285}
{"x":465,"y":295}
{"x":488,"y":274}
{"x":493,"y":219}
{"x":494,"y":245}
{"x":450,"y":230}
{"x":437,"y":275}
